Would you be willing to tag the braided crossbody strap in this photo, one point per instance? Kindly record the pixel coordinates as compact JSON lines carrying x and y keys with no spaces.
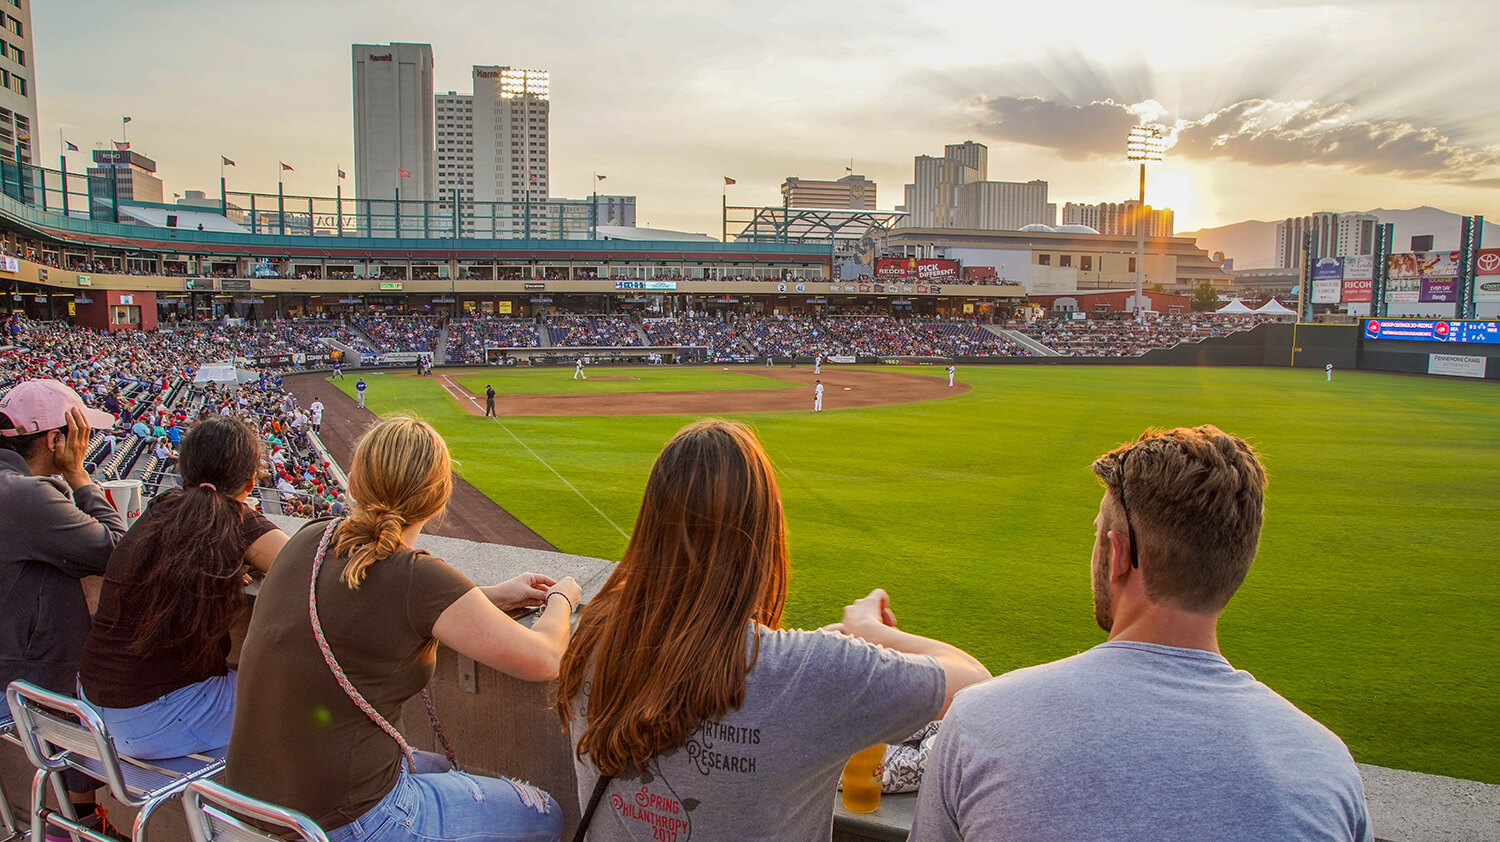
{"x":348,"y":686}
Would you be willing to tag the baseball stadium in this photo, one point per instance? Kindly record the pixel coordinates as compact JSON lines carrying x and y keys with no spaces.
{"x":931,"y":426}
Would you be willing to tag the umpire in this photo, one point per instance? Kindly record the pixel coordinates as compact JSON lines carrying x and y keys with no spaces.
{"x":489,"y":401}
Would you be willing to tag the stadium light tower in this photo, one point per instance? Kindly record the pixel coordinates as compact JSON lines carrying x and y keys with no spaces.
{"x":1145,"y":143}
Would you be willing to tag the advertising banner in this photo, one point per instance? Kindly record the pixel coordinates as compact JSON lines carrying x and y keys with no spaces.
{"x":1328,"y":269}
{"x":1326,"y":291}
{"x":937,"y":270}
{"x":898,"y":269}
{"x":1487,"y":289}
{"x":10,"y":264}
{"x":1489,"y":261}
{"x":1360,"y":268}
{"x":1432,"y":264}
{"x":1403,"y":289}
{"x":1456,"y":366}
{"x":1439,"y":291}
{"x":1427,"y":330}
{"x":1357,"y":290}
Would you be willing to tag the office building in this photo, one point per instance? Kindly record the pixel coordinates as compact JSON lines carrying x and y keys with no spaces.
{"x":1118,"y":218}
{"x":393,"y":122}
{"x":510,"y":118}
{"x":851,"y":191}
{"x":614,"y":210}
{"x":1334,"y":235}
{"x":954,"y":192}
{"x":454,"y":117}
{"x":1003,"y":205}
{"x":132,"y":174}
{"x":17,"y":84}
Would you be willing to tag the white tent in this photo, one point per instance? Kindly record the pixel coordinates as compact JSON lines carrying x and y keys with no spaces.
{"x":1274,"y":308}
{"x":1234,"y":308}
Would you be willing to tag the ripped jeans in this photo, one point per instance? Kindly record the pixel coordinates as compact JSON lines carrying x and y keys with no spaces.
{"x":452,"y":805}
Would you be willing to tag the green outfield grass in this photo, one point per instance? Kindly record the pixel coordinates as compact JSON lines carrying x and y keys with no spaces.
{"x":660,"y":378}
{"x":1374,"y":604}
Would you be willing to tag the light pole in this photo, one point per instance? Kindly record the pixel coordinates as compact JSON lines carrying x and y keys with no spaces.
{"x":1144,"y":144}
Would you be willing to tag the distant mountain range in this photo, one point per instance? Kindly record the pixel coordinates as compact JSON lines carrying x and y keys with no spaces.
{"x":1252,"y":243}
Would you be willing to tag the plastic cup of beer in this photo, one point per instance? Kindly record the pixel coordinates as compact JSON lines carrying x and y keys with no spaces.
{"x":861,"y":780}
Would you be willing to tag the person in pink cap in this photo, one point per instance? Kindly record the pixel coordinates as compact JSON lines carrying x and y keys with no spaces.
{"x":57,"y":531}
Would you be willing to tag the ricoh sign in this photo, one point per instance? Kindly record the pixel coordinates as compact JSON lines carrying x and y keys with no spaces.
{"x":486,"y":74}
{"x":386,"y":57}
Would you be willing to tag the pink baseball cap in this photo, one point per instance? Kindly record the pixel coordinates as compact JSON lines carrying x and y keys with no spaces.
{"x":36,"y":406}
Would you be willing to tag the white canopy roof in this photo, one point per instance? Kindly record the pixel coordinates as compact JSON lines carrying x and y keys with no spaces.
{"x":1274,"y":308}
{"x":1234,"y":307}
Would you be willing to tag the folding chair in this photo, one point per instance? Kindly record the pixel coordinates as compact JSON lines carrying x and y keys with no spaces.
{"x":12,"y":832}
{"x":60,"y":732}
{"x":216,"y":813}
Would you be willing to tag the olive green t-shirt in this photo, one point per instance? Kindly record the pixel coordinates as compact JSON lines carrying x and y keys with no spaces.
{"x":298,"y":740}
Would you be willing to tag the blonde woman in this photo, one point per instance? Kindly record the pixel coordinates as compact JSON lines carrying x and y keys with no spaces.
{"x":317,"y":723}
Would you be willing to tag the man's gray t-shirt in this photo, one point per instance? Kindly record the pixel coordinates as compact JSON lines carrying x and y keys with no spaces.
{"x":1135,"y":741}
{"x":769,"y":770}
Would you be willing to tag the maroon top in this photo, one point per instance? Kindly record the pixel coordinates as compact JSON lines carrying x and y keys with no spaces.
{"x":113,"y":675}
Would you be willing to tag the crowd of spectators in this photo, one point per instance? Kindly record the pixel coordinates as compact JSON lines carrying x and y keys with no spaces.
{"x":467,"y":338}
{"x":592,"y":331}
{"x":722,"y":339}
{"x":409,"y":334}
{"x":791,"y":336}
{"x":146,"y":380}
{"x":1120,"y":335}
{"x":919,"y":337}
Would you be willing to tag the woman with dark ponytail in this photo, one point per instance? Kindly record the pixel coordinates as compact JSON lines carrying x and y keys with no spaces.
{"x":156,"y":660}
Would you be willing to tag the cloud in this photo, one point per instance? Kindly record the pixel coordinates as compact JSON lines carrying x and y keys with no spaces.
{"x":1258,"y":131}
{"x":1075,"y":132}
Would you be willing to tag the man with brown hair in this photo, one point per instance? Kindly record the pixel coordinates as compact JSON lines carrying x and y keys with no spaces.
{"x":1152,"y":734}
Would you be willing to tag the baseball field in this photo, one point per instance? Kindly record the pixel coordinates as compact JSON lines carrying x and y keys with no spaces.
{"x":1374,"y":603}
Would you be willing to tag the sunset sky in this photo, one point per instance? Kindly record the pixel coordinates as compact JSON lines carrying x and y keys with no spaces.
{"x":1276,"y":107}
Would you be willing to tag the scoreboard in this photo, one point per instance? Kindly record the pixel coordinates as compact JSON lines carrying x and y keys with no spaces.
{"x":1427,"y":330}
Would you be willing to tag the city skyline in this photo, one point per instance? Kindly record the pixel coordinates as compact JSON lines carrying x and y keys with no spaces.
{"x":1273,"y":110}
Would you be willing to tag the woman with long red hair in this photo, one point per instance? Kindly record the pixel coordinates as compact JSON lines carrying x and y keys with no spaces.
{"x":691,"y":710}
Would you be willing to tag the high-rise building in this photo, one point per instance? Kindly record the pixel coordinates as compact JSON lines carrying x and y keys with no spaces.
{"x":614,"y":210}
{"x":133,"y":175}
{"x":1118,"y":218}
{"x":454,"y":117}
{"x":1003,"y":205}
{"x":1334,"y":235}
{"x":510,"y":118}
{"x":975,"y":156}
{"x":17,"y":83}
{"x":851,"y":191}
{"x":393,"y":122}
{"x":953,"y":192}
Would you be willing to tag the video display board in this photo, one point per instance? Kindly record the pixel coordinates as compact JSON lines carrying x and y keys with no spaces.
{"x":1430,"y":330}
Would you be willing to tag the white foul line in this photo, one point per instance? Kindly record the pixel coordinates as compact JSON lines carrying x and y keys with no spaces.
{"x":539,"y":459}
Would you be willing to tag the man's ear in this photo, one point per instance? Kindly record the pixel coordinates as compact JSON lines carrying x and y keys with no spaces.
{"x":1119,"y":554}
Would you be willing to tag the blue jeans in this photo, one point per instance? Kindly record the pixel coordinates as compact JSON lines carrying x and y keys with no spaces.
{"x":195,"y":719}
{"x":456,"y":807}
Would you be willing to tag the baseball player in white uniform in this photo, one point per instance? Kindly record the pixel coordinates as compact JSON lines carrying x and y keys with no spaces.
{"x":950,"y":377}
{"x":818,"y":364}
{"x":818,"y":397}
{"x":1329,"y":370}
{"x":578,"y":370}
{"x":317,"y":414}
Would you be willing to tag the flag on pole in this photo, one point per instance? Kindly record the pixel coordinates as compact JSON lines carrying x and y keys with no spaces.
{"x":285,"y":168}
{"x":341,"y":174}
{"x":600,"y":177}
{"x":728,"y":181}
{"x":125,"y":120}
{"x":533,"y":178}
{"x":403,"y":173}
{"x":225,"y":161}
{"x":71,"y":147}
{"x":122,"y":145}
{"x":848,"y":169}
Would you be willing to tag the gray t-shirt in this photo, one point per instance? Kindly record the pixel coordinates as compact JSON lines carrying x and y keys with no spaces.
{"x":770,"y":769}
{"x":1134,"y":741}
